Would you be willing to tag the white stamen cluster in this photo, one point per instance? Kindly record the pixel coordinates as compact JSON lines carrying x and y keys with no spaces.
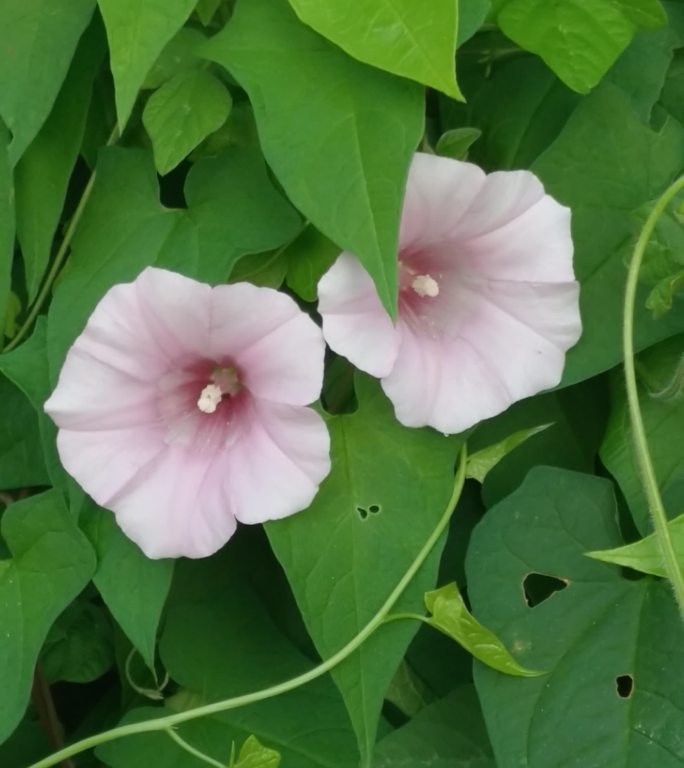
{"x":224,"y":381}
{"x":209,"y":398}
{"x":425,"y":285}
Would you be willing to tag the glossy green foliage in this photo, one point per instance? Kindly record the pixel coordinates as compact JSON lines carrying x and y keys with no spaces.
{"x":612,"y":646}
{"x":340,"y":143}
{"x":394,"y":35}
{"x":578,"y":39}
{"x":182,"y":113}
{"x":449,"y":614}
{"x":137,"y":34}
{"x":37,"y":41}
{"x":645,"y":555}
{"x":254,"y":141}
{"x":47,"y":556}
{"x":387,"y":490}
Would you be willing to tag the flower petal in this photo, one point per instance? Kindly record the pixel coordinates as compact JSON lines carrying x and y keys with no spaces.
{"x":535,"y":247}
{"x":175,"y":312}
{"x":178,"y":508}
{"x":282,"y":457}
{"x":104,"y":461}
{"x":277,"y":347}
{"x":92,"y":395}
{"x":439,"y":192}
{"x":166,"y":499}
{"x":512,"y":346}
{"x":355,"y":323}
{"x":502,"y":198}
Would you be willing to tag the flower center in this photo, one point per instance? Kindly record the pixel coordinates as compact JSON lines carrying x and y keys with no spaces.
{"x":224,"y":381}
{"x":425,"y":285}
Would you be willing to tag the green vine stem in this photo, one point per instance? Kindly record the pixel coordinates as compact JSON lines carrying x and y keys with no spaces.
{"x":191,"y":750}
{"x":60,"y":256}
{"x":170,"y":721}
{"x":650,"y":483}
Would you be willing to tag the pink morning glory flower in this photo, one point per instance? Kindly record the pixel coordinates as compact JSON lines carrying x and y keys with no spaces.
{"x":181,"y":408}
{"x":488,"y":303}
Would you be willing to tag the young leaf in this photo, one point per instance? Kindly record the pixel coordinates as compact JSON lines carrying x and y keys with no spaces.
{"x":137,"y":33}
{"x":51,"y":561}
{"x":387,"y":490}
{"x":450,"y":615}
{"x":660,"y":299}
{"x":613,"y":693}
{"x":253,"y":754}
{"x":37,"y":42}
{"x":644,"y":555}
{"x":578,"y":39}
{"x":340,"y":142}
{"x":456,"y":142}
{"x":480,"y":463}
{"x":178,"y":56}
{"x":182,"y":113}
{"x":399,"y":36}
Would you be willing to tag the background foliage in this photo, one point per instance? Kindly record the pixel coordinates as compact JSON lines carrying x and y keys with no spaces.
{"x":253,"y":140}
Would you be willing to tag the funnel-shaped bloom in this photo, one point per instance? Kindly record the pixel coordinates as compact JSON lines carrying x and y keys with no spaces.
{"x":181,"y":408}
{"x":488,"y":303}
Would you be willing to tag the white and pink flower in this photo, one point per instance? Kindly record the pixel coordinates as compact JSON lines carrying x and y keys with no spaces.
{"x":488,"y":302}
{"x":181,"y":408}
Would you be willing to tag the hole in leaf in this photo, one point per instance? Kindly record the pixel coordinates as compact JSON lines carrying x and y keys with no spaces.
{"x":371,"y":509}
{"x":624,"y":685}
{"x":539,"y":587}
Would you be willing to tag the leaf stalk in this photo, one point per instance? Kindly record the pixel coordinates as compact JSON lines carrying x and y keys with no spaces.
{"x":649,"y":480}
{"x":169,"y":722}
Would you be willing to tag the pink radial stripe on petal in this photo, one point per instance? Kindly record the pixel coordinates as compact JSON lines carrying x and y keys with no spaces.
{"x":295,"y":444}
{"x":180,"y":406}
{"x":186,"y":511}
{"x":433,"y":204}
{"x":488,"y":304}
{"x":100,"y":396}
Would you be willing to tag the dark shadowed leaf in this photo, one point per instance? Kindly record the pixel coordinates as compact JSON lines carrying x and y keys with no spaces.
{"x":612,"y":646}
{"x":50,"y":562}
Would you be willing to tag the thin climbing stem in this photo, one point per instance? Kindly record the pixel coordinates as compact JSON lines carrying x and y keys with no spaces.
{"x":191,"y":750}
{"x":650,"y":483}
{"x":170,"y":721}
{"x":407,"y":617}
{"x":60,"y":256}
